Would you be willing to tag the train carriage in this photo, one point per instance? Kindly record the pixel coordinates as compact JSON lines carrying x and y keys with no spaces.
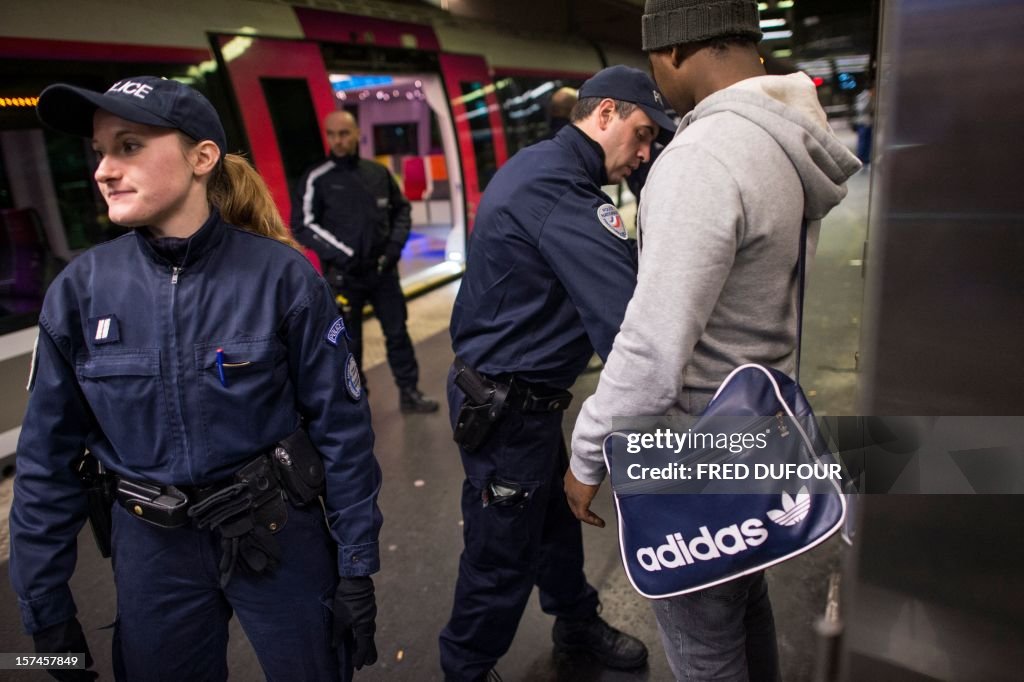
{"x":442,"y":102}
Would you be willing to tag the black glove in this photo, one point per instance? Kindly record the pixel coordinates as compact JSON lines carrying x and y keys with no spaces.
{"x":336,"y":278}
{"x":66,"y":638}
{"x":392,"y":252}
{"x":355,"y":611}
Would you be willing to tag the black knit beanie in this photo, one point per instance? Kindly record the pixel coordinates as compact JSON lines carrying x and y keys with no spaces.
{"x":676,"y":22}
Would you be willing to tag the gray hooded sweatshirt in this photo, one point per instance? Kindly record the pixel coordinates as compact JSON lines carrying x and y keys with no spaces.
{"x":719,"y":227}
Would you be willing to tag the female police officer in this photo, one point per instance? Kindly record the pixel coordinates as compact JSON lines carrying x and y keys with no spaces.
{"x":184,"y":356}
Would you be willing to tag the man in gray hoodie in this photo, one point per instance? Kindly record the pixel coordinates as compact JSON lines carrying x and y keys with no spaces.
{"x":719,"y":229}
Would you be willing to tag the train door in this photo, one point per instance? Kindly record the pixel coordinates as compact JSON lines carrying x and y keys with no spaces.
{"x":405,"y":124}
{"x":284,"y":88}
{"x":281,"y":94}
{"x":477,"y":120}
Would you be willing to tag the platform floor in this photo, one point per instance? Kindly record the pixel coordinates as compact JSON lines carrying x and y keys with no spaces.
{"x":420,"y":545}
{"x":421,"y":539}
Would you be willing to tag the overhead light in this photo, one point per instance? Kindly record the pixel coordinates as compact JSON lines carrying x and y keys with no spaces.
{"x":235,"y":48}
{"x":817,"y":67}
{"x":784,"y":4}
{"x":772,"y":23}
{"x":25,"y":102}
{"x":852,"y":63}
{"x":777,"y":35}
{"x":762,"y":6}
{"x":783,"y":53}
{"x":342,"y":81}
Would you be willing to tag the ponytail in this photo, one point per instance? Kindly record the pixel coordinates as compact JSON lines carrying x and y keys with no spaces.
{"x":243,"y":199}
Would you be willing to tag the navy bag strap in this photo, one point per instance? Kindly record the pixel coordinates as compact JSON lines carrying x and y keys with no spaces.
{"x":801,"y":269}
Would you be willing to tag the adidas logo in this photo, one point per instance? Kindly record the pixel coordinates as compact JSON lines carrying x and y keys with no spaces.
{"x":677,"y":551}
{"x":793,"y":510}
{"x":738,"y":537}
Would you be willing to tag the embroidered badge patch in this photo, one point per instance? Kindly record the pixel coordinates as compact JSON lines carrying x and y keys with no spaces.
{"x":336,"y":330}
{"x":352,"y":383}
{"x":104,"y":329}
{"x":612,"y":221}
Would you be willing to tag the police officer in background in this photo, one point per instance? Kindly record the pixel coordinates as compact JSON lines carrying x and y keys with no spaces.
{"x":548,"y":277}
{"x":560,"y":109}
{"x":201,"y":361}
{"x":350,"y":211}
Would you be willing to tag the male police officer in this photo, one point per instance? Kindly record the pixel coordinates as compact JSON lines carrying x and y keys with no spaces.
{"x":549,"y":274}
{"x":351,"y":212}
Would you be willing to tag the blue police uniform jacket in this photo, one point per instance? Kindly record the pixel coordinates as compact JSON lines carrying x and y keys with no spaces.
{"x":549,"y":270}
{"x":126,"y":367}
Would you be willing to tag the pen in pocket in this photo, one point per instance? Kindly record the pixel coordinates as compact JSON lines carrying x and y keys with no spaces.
{"x":220,"y":368}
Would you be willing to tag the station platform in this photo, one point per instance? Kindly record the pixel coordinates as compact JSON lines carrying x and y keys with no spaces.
{"x":420,"y":545}
{"x":422,"y":535}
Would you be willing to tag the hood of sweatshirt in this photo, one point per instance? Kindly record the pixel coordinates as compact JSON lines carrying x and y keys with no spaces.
{"x":787,"y":108}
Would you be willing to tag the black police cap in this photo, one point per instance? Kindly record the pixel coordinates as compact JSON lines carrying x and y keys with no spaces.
{"x":632,"y":85}
{"x":142,"y":99}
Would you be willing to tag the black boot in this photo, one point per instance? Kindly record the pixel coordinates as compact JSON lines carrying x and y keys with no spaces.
{"x":611,"y":647}
{"x":411,"y":400}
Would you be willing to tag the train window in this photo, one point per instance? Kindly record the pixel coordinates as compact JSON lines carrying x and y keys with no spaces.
{"x":480,"y":126}
{"x":396,"y":138}
{"x":82,"y":210}
{"x":526,"y":109}
{"x":50,"y":209}
{"x":295,"y":124}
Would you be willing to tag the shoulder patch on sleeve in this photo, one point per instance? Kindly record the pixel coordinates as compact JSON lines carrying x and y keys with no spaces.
{"x":612,"y":221}
{"x":352,"y":383}
{"x":335,"y":331}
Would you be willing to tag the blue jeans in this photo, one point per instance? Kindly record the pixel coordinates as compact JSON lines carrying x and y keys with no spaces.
{"x":172,"y":615}
{"x":725,"y":632}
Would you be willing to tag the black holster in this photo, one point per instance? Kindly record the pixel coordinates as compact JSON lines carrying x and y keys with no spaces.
{"x":488,"y":399}
{"x":246,"y":514}
{"x":483,"y":406}
{"x":245,"y":510}
{"x":300,"y":468}
{"x":99,"y":492}
{"x":160,"y":505}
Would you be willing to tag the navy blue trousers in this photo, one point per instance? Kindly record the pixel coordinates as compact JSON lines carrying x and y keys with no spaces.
{"x":384,"y":293}
{"x":509,"y":549}
{"x":172,"y":615}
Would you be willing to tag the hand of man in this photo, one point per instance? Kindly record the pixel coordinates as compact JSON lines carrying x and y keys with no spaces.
{"x":580,"y":495}
{"x":392,"y":253}
{"x":355,"y":613}
{"x":66,"y":638}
